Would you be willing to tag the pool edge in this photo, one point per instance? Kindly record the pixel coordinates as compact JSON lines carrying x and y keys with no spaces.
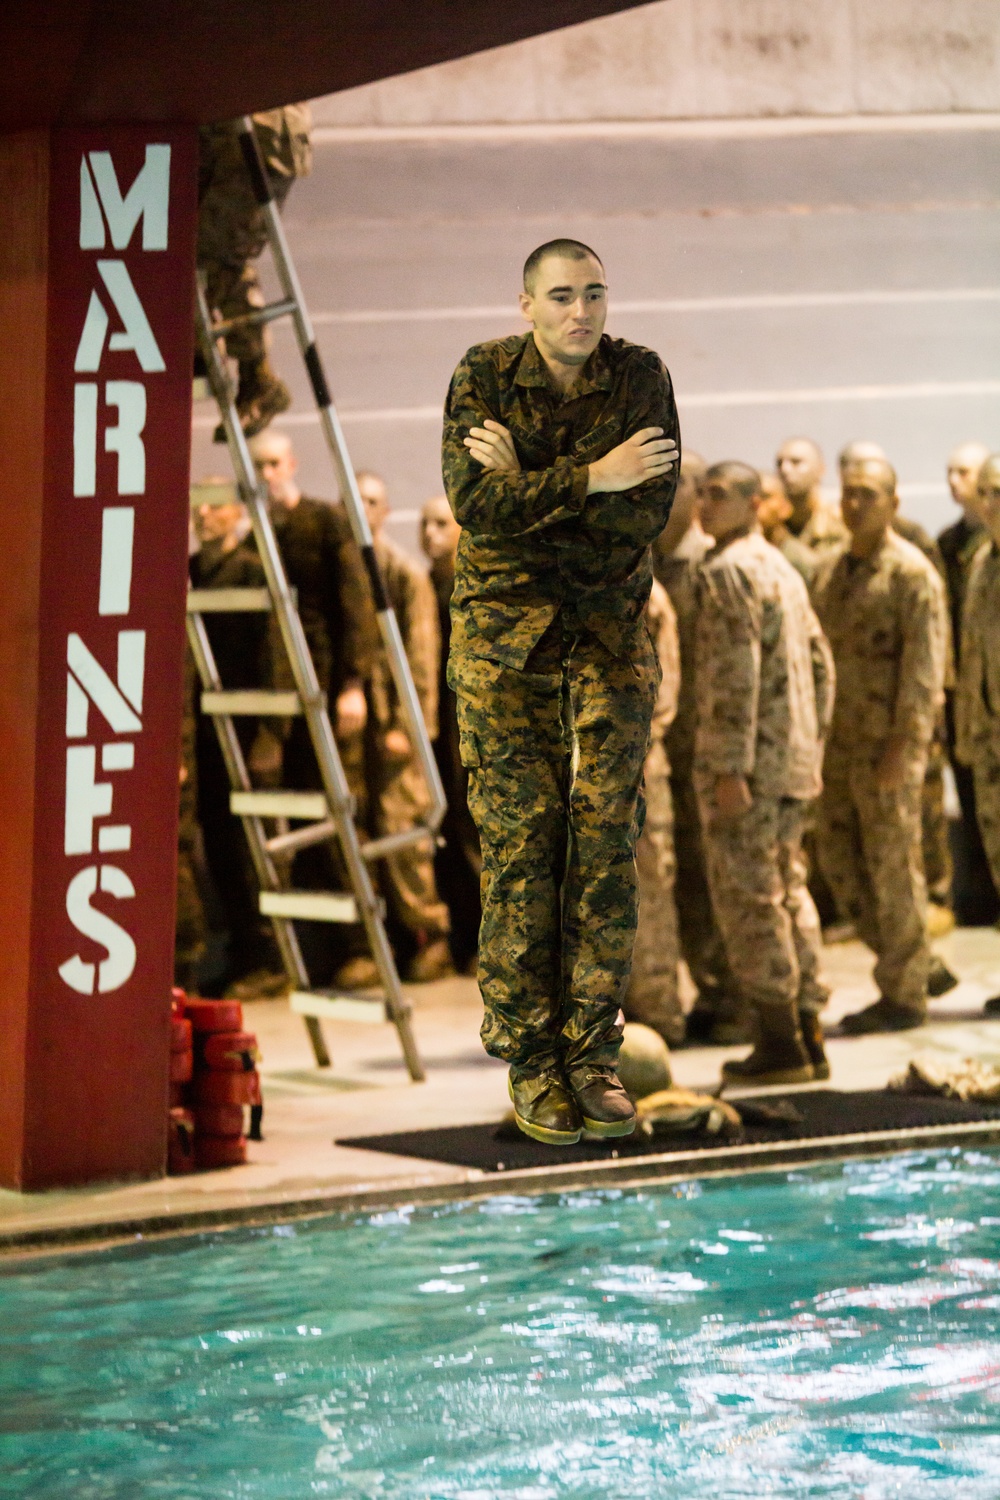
{"x":665,"y":1167}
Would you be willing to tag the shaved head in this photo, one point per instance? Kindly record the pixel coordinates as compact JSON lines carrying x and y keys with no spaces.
{"x":873,"y":468}
{"x":564,"y":249}
{"x":856,"y":451}
{"x":737,"y":477}
{"x":964,"y":464}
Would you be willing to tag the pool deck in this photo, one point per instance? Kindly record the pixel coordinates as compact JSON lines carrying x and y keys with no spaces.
{"x":297,"y":1169}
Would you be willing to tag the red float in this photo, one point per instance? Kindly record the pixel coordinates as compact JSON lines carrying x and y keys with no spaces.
{"x":230,"y":1051}
{"x":212,"y":1151}
{"x":214,"y":1015}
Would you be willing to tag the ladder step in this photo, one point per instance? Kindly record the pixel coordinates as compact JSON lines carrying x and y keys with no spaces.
{"x":309,"y":906}
{"x":228,"y":601}
{"x":332,"y":1006}
{"x":277,"y":705}
{"x":307,"y":805}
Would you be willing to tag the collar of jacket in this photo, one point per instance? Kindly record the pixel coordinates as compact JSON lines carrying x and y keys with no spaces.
{"x":595,"y":375}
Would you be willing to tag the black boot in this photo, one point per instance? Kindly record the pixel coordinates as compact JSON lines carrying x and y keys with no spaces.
{"x":545,"y":1109}
{"x":884,"y":1015}
{"x":812,"y":1037}
{"x":605,"y":1108}
{"x":780,"y":1055}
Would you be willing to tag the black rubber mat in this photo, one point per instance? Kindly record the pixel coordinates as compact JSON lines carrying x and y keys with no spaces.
{"x":825,"y":1112}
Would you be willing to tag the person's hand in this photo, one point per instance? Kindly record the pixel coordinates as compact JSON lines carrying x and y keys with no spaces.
{"x":492,"y":446}
{"x":890,"y":772}
{"x":733,"y":797}
{"x":397,"y":745}
{"x":352,"y":712}
{"x":646,"y":455}
{"x":264,"y":760}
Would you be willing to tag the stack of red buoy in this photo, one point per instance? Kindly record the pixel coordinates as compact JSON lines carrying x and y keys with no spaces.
{"x":221,"y":1084}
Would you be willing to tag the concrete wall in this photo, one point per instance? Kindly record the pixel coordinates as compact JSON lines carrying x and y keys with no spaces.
{"x":724,"y":58}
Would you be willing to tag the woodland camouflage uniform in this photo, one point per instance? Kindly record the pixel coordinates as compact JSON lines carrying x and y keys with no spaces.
{"x":765,"y":684}
{"x":556,"y":681}
{"x":653,"y":995}
{"x":977,"y":707}
{"x":886,"y":621}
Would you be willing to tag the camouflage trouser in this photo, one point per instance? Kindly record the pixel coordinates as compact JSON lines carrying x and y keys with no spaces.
{"x":652,"y":995}
{"x":232,"y":232}
{"x":700,"y":939}
{"x":934,"y":826}
{"x":986,"y":772}
{"x":767,"y":917}
{"x":555,"y":755}
{"x":869,"y":844}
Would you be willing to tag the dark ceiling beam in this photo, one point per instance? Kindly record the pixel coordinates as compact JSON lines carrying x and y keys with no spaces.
{"x":71,"y":61}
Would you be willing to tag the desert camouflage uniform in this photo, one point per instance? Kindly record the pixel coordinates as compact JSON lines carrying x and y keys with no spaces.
{"x":700,"y":939}
{"x":803,"y":559}
{"x":390,"y":793}
{"x":556,"y":681}
{"x":653,"y":995}
{"x":824,"y":530}
{"x":886,"y":621}
{"x":977,"y":707}
{"x":765,"y":695}
{"x":231,"y":224}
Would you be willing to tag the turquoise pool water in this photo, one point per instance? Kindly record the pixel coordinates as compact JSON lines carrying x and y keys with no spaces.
{"x":824,"y":1332}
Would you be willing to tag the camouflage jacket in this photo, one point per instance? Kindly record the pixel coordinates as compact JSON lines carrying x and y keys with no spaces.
{"x":886,"y":621}
{"x":977,"y":702}
{"x":823,"y":531}
{"x":764,"y":672}
{"x":662,"y":622}
{"x":678,"y":572}
{"x":534,"y":544}
{"x":411,"y":594}
{"x":959,"y":545}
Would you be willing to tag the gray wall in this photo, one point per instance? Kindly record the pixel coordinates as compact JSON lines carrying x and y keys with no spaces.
{"x":724,"y":58}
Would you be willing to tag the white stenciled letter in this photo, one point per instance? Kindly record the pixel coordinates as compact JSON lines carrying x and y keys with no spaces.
{"x":85,"y":439}
{"x":117,"y":535}
{"x":148,"y":198}
{"x":86,"y":799}
{"x":118,"y":966}
{"x":87,"y":682}
{"x":135,"y":333}
{"x":125,"y":438}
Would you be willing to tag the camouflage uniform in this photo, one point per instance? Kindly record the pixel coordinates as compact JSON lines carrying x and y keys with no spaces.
{"x":653,"y":995}
{"x":458,"y":865}
{"x":978,"y":696}
{"x":976,"y":898}
{"x":933,"y":819}
{"x":556,"y":681}
{"x":390,"y":793}
{"x":765,"y":695}
{"x":241,"y":646}
{"x":886,"y":621}
{"x":232,"y":228}
{"x":700,"y":939}
{"x":802,"y":558}
{"x":823,"y":532}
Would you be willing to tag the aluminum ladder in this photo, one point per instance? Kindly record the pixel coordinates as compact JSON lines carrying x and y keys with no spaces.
{"x":327,"y":814}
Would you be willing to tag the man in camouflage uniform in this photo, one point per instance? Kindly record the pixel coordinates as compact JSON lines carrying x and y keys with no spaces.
{"x":232,"y":232}
{"x":975,"y":895}
{"x":385,"y":778}
{"x":765,"y":696}
{"x":719,"y":1014}
{"x":458,"y":863}
{"x":813,"y":521}
{"x":335,"y":606}
{"x":559,"y":456}
{"x":773,"y":515}
{"x":653,"y":994}
{"x":882,"y":606}
{"x":977,"y":707}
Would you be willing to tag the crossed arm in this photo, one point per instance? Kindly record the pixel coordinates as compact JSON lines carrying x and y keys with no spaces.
{"x":645,"y":455}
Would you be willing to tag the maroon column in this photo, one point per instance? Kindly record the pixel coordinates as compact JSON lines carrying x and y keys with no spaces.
{"x":96,"y":280}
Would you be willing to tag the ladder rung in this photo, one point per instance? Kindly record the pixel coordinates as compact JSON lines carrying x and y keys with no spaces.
{"x":310,"y":906}
{"x":278,"y":804}
{"x":336,"y":1007}
{"x":278,"y":705}
{"x":378,"y":848}
{"x":302,"y":838}
{"x":253,"y":319}
{"x":228,"y":601}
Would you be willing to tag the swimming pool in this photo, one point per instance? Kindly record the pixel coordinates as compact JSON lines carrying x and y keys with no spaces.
{"x":832,"y":1331}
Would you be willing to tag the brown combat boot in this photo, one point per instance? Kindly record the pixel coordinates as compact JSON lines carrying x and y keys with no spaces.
{"x":605,"y":1108}
{"x":812,"y":1037}
{"x":884,"y":1015}
{"x":780,"y":1055}
{"x":545,"y":1109}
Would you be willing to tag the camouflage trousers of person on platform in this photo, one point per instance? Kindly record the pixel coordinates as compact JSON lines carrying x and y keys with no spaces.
{"x":653,"y":994}
{"x":869,"y":843}
{"x":768,"y":921}
{"x":555,"y":757}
